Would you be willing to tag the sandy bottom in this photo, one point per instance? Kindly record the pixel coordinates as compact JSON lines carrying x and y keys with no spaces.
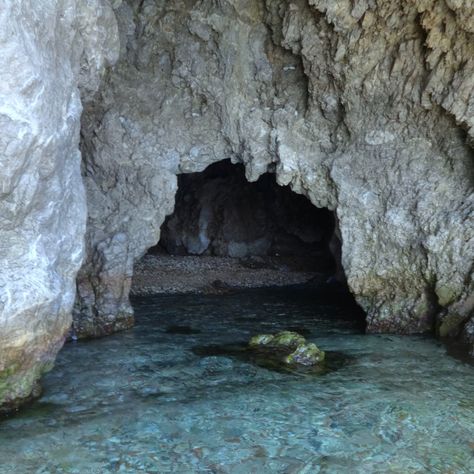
{"x":190,"y":274}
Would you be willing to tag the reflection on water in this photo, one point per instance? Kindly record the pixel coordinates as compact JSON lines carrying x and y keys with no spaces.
{"x":153,"y":400}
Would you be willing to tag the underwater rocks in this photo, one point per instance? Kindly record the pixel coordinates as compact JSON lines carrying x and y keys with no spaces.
{"x":289,"y":347}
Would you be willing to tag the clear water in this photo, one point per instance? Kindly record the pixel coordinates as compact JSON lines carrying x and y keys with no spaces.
{"x":144,"y":401}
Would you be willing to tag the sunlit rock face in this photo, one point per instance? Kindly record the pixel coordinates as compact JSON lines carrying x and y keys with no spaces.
{"x":50,"y":52}
{"x":365,"y":108}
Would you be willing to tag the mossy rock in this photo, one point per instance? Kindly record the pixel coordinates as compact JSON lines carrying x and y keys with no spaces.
{"x":306,"y":354}
{"x":282,"y":340}
{"x":260,"y":340}
{"x":17,"y":387}
{"x":288,"y":339}
{"x":451,"y":325}
{"x":287,"y":347}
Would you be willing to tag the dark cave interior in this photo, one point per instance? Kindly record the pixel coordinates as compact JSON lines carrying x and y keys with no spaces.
{"x":219,"y":213}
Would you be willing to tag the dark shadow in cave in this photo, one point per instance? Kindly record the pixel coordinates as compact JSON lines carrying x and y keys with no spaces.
{"x":226,"y":234}
{"x":219,"y":213}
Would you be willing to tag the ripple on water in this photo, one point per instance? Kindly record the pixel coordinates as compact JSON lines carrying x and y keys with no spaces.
{"x":177,"y":394}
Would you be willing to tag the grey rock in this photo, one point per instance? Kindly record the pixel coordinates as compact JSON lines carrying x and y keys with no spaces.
{"x":365,"y":110}
{"x":49,"y":52}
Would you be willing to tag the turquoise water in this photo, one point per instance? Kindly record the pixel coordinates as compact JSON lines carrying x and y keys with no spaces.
{"x":153,"y":400}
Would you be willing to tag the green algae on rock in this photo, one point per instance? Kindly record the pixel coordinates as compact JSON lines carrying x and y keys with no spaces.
{"x":283,"y":340}
{"x":306,"y":354}
{"x":289,"y":347}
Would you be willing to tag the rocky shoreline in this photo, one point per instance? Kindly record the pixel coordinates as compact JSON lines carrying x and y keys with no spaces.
{"x":155,"y":274}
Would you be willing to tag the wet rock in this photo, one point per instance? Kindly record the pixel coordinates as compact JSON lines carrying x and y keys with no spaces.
{"x":260,"y":340}
{"x":306,"y":354}
{"x":281,"y":340}
{"x":288,"y":347}
{"x":52,"y":54}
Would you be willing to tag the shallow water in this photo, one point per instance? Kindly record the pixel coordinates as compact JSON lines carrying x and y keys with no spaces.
{"x":147,"y":401}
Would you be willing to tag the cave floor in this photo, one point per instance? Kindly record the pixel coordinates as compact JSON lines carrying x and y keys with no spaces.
{"x":154,"y":399}
{"x":205,"y":274}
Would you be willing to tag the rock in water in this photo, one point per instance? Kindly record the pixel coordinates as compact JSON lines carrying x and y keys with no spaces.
{"x":281,"y":340}
{"x":289,"y":347}
{"x":306,"y":354}
{"x":261,"y":340}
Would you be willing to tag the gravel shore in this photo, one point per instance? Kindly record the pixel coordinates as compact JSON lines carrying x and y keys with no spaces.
{"x":190,"y":274}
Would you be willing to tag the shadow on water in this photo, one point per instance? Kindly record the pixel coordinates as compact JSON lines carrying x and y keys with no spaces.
{"x":272,"y":361}
{"x":183,"y":330}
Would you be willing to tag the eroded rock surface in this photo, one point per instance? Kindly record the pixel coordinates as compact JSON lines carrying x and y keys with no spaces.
{"x":48,"y":50}
{"x":364,"y":107}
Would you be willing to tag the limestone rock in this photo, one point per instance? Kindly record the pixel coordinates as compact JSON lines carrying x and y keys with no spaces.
{"x":48,"y":51}
{"x":365,"y":109}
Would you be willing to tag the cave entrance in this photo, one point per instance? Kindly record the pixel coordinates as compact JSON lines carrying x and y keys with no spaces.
{"x":226,"y":232}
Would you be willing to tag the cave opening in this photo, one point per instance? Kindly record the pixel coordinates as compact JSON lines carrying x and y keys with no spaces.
{"x":219,"y":213}
{"x":228,"y":234}
{"x":236,"y":233}
{"x":239,"y":259}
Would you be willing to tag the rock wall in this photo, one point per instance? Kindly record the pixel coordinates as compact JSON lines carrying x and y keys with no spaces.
{"x":48,"y":49}
{"x":366,"y":108}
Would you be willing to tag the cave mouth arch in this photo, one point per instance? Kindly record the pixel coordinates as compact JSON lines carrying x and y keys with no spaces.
{"x":229,"y":233}
{"x":219,"y":213}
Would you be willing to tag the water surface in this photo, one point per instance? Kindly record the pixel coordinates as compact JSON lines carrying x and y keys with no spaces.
{"x":147,"y":401}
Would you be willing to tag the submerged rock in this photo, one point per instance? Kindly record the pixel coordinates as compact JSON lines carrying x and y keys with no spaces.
{"x":282,"y":340}
{"x":288,"y":347}
{"x":306,"y":354}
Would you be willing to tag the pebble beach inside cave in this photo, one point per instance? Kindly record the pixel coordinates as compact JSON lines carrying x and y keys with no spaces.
{"x":159,"y":398}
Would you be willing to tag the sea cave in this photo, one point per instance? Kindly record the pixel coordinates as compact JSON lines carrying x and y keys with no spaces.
{"x":236,"y":236}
